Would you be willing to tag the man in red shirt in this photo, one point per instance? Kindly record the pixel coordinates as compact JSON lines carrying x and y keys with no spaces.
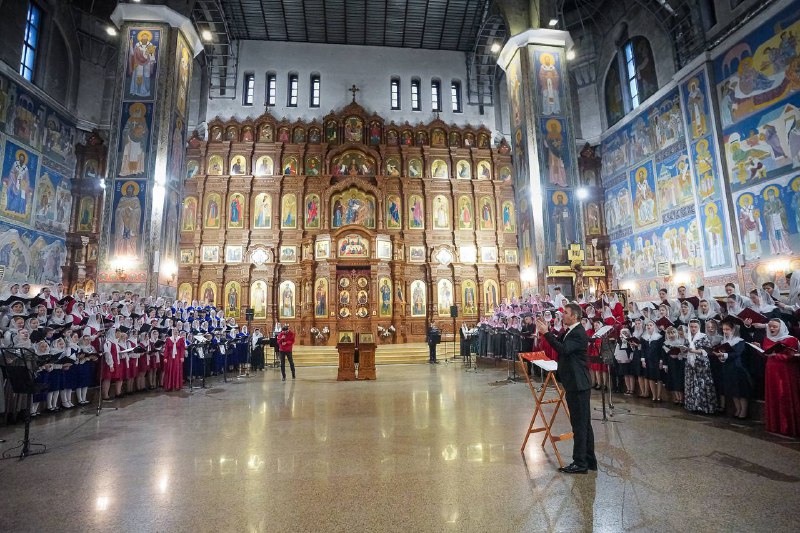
{"x":285,"y":343}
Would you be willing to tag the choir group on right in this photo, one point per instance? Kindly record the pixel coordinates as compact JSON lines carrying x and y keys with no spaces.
{"x":712,"y":355}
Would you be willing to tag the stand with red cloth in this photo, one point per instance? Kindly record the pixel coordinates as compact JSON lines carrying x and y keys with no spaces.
{"x":545,"y":363}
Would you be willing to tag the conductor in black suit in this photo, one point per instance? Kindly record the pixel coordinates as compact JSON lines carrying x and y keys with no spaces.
{"x":573,"y":372}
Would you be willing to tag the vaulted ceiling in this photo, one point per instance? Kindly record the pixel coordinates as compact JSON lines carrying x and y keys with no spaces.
{"x":432,"y":24}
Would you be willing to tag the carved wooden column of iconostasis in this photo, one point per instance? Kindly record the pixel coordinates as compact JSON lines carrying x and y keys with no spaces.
{"x":138,"y":245}
{"x":87,"y":207}
{"x":544,"y":152}
{"x":291,"y":208}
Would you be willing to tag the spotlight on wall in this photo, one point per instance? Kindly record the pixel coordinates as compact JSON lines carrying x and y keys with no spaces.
{"x":496,"y":47}
{"x":570,"y":55}
{"x":207,"y":36}
{"x":553,"y":23}
{"x":111,"y":31}
{"x":582,"y":193}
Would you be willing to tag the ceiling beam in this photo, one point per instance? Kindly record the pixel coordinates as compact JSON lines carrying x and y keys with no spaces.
{"x":444,"y":21}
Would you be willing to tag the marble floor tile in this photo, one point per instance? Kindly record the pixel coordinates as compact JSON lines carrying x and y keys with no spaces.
{"x":423,"y":448}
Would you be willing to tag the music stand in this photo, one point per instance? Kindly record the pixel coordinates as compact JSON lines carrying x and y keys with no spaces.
{"x":19,"y":366}
{"x":545,"y":363}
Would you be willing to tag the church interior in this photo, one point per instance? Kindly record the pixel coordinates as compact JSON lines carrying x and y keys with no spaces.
{"x":397,"y":183}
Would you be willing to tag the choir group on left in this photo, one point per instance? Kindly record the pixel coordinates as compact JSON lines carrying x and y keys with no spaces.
{"x":134,"y":343}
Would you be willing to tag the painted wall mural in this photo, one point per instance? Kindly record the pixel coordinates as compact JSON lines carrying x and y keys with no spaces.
{"x":37,"y":163}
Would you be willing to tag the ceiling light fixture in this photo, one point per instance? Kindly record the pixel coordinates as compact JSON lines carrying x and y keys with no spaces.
{"x":553,"y":23}
{"x":111,"y":31}
{"x":570,"y":55}
{"x":496,"y":47}
{"x":206,"y":35}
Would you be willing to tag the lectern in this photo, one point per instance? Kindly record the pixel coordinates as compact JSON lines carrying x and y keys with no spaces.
{"x":347,"y":364}
{"x":366,"y":356}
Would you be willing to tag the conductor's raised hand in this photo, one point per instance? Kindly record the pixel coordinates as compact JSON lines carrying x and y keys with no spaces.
{"x":541,"y":326}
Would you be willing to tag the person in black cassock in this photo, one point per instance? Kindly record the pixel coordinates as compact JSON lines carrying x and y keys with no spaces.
{"x":573,"y":371}
{"x":434,"y":337}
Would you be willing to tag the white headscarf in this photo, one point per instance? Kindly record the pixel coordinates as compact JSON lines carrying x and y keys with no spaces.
{"x":686,"y":318}
{"x":739,"y":305}
{"x":734,"y":337}
{"x":651,"y":336}
{"x":766,"y":303}
{"x":711,"y":313}
{"x":782,"y":334}
{"x":794,"y":288}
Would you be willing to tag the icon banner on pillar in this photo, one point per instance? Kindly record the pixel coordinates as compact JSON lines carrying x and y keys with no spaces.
{"x":548,"y":72}
{"x":555,"y":149}
{"x":561,"y":224}
{"x":134,"y":143}
{"x":127,"y":221}
{"x":140,"y":76}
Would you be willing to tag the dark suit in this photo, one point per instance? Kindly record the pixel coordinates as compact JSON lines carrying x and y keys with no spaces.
{"x":573,"y":372}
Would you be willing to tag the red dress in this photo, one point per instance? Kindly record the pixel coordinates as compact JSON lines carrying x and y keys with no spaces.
{"x":174,"y":352}
{"x":545,"y":346}
{"x":111,"y":353}
{"x":782,"y":390}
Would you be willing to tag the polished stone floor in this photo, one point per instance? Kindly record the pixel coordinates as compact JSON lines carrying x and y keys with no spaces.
{"x":425,"y":448}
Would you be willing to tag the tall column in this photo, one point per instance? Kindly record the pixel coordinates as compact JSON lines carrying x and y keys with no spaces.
{"x":144,"y":178}
{"x":544,"y":154}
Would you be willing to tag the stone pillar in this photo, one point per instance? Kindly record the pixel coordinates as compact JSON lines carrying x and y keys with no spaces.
{"x":144,"y":185}
{"x":544,"y":154}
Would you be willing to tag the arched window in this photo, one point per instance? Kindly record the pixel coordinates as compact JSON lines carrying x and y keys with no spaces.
{"x":631,"y":78}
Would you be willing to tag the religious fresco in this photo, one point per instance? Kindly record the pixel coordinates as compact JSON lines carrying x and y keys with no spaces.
{"x":469,"y":301}
{"x":212,"y":211}
{"x":484,"y":170}
{"x":439,"y":169}
{"x":210,"y":254}
{"x":393,"y":167}
{"x":236,"y":213}
{"x":353,"y":207}
{"x":508,"y":218}
{"x":86,"y":213}
{"x":177,"y":152}
{"x":134,"y":143}
{"x":233,"y":298}
{"x":187,"y":256}
{"x":677,"y":243}
{"x":140,"y":75}
{"x":184,"y":62}
{"x":560,"y":224}
{"x":208,"y":293}
{"x":262,"y":211}
{"x":769,"y":218}
{"x":674,"y":184}
{"x":265,"y":133}
{"x":352,"y":246}
{"x":353,"y":163}
{"x":189,"y":217}
{"x":169,"y":237}
{"x":215,"y":166}
{"x":708,"y":187}
{"x":444,"y":299}
{"x":321,"y":298}
{"x":53,"y":201}
{"x":645,"y":207}
{"x":441,"y":212}
{"x":547,"y":68}
{"x":555,"y":145}
{"x":486,"y":213}
{"x":313,"y":166}
{"x":287,"y":254}
{"x":299,"y":136}
{"x":264,"y":166}
{"x":505,"y":174}
{"x":238,"y":165}
{"x":353,"y":130}
{"x":192,"y":168}
{"x":30,"y":256}
{"x":491,"y":296}
{"x":759,"y":98}
{"x":258,"y":299}
{"x":185,"y":292}
{"x":418,"y":299}
{"x":312,"y":212}
{"x":289,"y":211}
{"x":466,"y":214}
{"x":463,"y":170}
{"x":20,"y":168}
{"x":414,"y":168}
{"x":290,"y":166}
{"x":394,"y":210}
{"x":127,"y":222}
{"x":385,"y":297}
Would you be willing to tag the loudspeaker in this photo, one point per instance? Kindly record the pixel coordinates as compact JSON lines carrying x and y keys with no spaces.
{"x":249,"y":313}
{"x":453,"y":311}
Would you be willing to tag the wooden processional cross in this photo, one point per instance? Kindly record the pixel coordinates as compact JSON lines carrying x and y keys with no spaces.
{"x":354,"y":90}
